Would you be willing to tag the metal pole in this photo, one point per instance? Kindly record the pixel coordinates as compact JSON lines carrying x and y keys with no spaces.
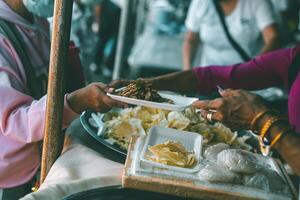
{"x":53,"y":137}
{"x":123,"y":33}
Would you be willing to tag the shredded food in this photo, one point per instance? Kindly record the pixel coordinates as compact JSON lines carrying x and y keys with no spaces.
{"x":172,"y":153}
{"x":143,"y":90}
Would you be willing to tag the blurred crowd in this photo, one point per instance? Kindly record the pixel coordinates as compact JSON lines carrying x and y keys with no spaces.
{"x":254,"y":27}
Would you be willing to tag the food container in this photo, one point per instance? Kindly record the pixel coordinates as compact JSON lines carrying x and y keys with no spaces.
{"x":192,"y":142}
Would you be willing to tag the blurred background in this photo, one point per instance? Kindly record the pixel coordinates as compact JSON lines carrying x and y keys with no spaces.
{"x":156,"y":34}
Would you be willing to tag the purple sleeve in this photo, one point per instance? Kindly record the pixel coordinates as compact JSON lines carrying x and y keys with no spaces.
{"x":267,"y":70}
{"x":293,"y":104}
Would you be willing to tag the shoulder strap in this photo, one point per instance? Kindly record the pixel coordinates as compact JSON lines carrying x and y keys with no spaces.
{"x":34,"y":85}
{"x":233,"y":43}
{"x":294,"y":70}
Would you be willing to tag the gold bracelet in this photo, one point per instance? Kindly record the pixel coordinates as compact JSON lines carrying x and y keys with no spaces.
{"x":265,"y":148}
{"x":279,"y":136}
{"x":258,"y":116}
{"x":267,"y":126}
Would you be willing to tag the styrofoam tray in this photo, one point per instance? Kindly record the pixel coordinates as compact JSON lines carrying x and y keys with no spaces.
{"x":180,"y":102}
{"x":139,"y":169}
{"x":191,"y":141}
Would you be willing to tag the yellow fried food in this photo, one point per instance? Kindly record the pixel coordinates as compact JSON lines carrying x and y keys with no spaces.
{"x":122,"y":130}
{"x":172,"y":153}
{"x":188,"y":120}
{"x":178,"y":121}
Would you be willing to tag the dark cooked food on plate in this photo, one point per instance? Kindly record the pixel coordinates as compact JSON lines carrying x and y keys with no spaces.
{"x":141,"y":89}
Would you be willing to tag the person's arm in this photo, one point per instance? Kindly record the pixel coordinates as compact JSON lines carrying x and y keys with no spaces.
{"x":267,"y":23}
{"x":190,"y":46}
{"x":21,"y":117}
{"x":271,"y":39}
{"x":288,"y":146}
{"x":197,"y":10}
{"x":270,"y":69}
{"x":183,"y":82}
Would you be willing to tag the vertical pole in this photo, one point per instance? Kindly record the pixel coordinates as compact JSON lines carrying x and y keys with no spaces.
{"x":53,"y":138}
{"x":123,"y":36}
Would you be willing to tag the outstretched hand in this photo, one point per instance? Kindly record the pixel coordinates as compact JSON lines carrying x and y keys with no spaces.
{"x":92,"y":97}
{"x":236,"y":109}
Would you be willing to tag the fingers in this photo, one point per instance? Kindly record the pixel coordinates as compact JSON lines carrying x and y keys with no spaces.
{"x":215,"y":104}
{"x":215,"y":116}
{"x":227,"y":92}
{"x":102,"y":86}
{"x":104,"y":102}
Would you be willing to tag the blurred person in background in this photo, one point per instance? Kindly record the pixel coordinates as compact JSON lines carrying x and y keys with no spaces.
{"x":250,"y":23}
{"x":24,"y":60}
{"x":106,"y":25}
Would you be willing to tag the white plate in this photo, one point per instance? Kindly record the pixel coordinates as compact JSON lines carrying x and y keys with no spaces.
{"x":192,"y":142}
{"x":180,"y":102}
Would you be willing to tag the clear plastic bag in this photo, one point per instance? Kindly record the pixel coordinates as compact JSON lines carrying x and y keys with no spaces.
{"x":212,"y":152}
{"x":214,"y":173}
{"x":268,"y":180}
{"x":239,"y":161}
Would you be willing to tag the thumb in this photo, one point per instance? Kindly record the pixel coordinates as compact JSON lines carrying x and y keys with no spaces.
{"x":226,"y":93}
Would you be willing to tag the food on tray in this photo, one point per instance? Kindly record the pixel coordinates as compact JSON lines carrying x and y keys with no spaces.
{"x":141,"y":89}
{"x":214,"y":173}
{"x":172,"y":153}
{"x":177,"y":120}
{"x":188,"y":120}
{"x":239,"y":161}
{"x":122,"y":131}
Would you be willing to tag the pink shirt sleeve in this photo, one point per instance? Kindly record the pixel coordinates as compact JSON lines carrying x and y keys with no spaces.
{"x":21,"y":117}
{"x":267,"y":70}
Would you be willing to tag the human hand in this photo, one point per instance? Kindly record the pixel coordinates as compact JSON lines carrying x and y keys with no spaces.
{"x":236,"y":109}
{"x":92,"y":97}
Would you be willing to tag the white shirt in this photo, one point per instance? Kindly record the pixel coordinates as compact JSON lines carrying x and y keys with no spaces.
{"x":245,"y":25}
{"x":280,"y":5}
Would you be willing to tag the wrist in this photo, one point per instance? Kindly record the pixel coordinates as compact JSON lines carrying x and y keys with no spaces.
{"x":72,"y":100}
{"x":279,"y":127}
{"x":262,"y":121}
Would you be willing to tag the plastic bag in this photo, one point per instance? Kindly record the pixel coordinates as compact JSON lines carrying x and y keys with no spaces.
{"x":214,"y":173}
{"x":268,"y":180}
{"x":239,"y":161}
{"x":212,"y":152}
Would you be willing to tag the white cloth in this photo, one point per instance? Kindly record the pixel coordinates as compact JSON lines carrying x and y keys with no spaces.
{"x":245,"y":24}
{"x":77,"y":169}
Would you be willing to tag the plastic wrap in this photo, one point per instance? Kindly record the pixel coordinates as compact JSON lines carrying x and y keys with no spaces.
{"x":268,"y":180}
{"x":212,"y":152}
{"x":214,"y":173}
{"x":239,"y":161}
